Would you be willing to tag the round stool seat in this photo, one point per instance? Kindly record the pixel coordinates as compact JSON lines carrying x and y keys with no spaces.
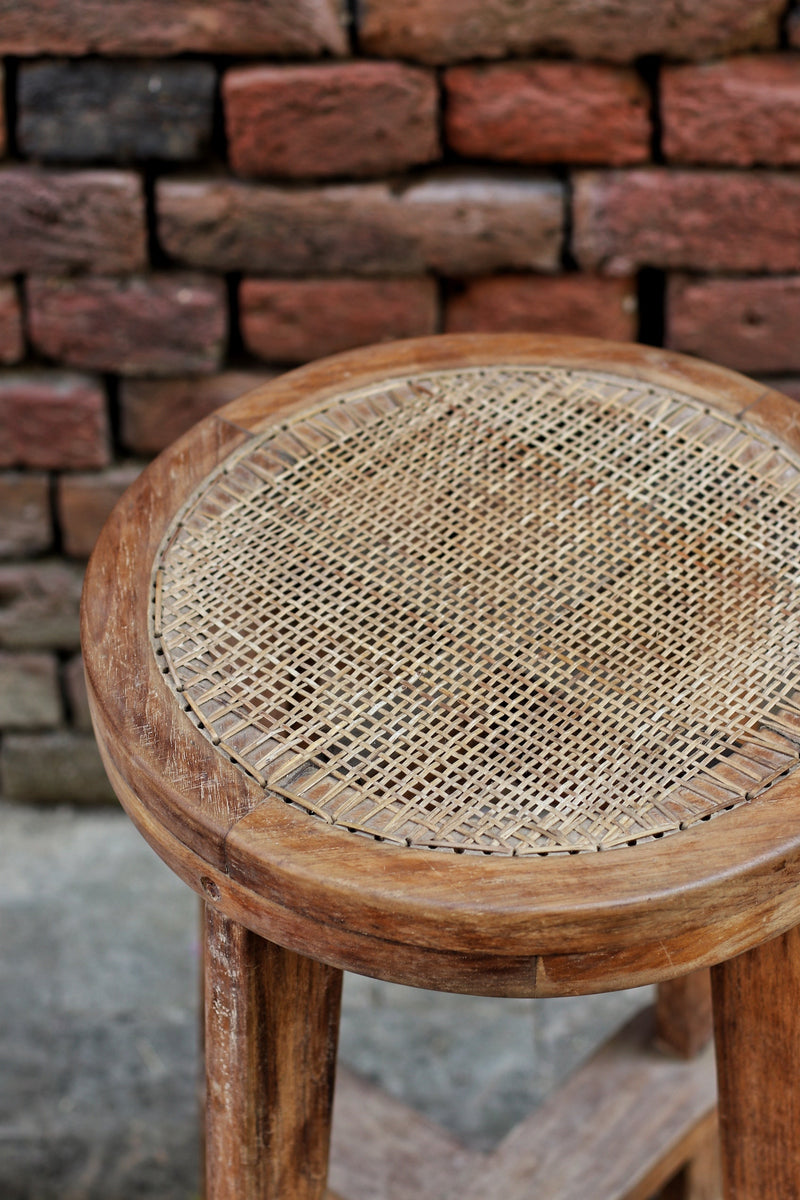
{"x":469,"y":662}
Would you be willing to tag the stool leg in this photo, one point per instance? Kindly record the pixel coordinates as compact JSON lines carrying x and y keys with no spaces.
{"x":272,"y":1020}
{"x":684,"y":1027}
{"x":757,"y":1028}
{"x":684,"y":1024}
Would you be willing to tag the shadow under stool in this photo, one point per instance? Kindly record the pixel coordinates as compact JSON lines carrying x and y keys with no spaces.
{"x":471,"y":663}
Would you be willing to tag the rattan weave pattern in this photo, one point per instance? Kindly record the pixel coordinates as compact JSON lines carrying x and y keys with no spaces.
{"x":516,"y":610}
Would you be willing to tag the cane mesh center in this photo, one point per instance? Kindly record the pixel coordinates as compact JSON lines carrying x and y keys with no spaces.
{"x":510,"y":610}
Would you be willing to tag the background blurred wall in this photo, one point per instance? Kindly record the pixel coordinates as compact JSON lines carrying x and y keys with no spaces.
{"x":195,"y":195}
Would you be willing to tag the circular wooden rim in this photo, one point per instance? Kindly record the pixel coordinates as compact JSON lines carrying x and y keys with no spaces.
{"x":318,"y":889}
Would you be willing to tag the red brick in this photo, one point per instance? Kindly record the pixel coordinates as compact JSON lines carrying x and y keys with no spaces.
{"x":60,"y":767}
{"x":294,"y":320}
{"x":39,"y":605}
{"x":71,"y":220}
{"x":29,"y":693}
{"x":84,"y":503}
{"x":739,"y":112}
{"x":25,"y":525}
{"x":435,"y":32}
{"x":53,"y":421}
{"x":578,"y":304}
{"x":167,"y":27}
{"x":165,"y":324}
{"x":548,"y":111}
{"x":699,"y":220}
{"x":460,"y":223}
{"x":749,"y":324}
{"x":12,"y":346}
{"x":3,"y":144}
{"x":77,"y":698}
{"x":154,"y":412}
{"x":356,"y":118}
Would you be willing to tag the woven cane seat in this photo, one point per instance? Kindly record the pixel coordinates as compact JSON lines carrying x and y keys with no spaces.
{"x":408,"y":636}
{"x":505,"y":609}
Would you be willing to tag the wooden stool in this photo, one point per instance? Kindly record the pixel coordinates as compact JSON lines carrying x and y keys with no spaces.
{"x":472,"y":663}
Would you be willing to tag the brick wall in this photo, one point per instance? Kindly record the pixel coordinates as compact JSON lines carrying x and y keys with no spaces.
{"x":195,"y":196}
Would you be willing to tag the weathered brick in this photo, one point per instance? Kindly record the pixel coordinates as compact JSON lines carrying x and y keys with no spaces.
{"x":166,"y":27}
{"x":154,"y":412}
{"x":71,"y":220}
{"x":12,"y":346}
{"x":53,"y":768}
{"x":164,"y":324}
{"x":749,"y":324}
{"x":25,"y":525}
{"x":39,"y":605}
{"x":473,"y":223}
{"x":77,"y":698}
{"x":460,"y":223}
{"x":433,"y":32}
{"x":356,"y":118}
{"x":698,"y":220}
{"x":94,"y":109}
{"x":294,"y":320}
{"x":548,"y":111}
{"x":585,"y":305}
{"x":30,"y":697}
{"x":84,"y":503}
{"x":742,"y":111}
{"x":52,"y":420}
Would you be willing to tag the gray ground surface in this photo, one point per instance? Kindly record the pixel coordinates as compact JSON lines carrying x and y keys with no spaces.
{"x":98,"y":991}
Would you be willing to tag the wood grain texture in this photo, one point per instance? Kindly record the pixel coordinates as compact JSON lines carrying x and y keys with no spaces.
{"x":684,"y":1022}
{"x":186,"y":786}
{"x":394,"y":954}
{"x":618,"y":1129}
{"x":775,"y":413}
{"x":553,"y":926}
{"x":272,"y":1021}
{"x":546,"y":926}
{"x":757,"y":1032}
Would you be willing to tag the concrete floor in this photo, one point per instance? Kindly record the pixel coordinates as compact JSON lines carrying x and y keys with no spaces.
{"x":98,"y":1020}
